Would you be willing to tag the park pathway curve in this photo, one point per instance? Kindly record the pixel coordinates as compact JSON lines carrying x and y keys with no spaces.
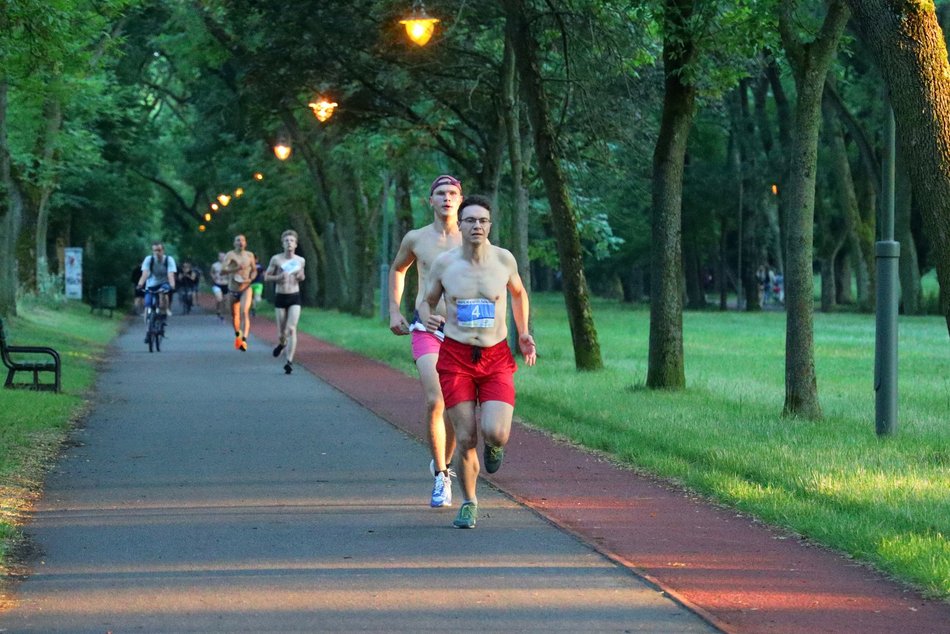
{"x":207,"y":491}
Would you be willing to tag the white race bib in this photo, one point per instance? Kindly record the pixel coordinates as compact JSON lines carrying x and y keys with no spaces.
{"x":475,"y":313}
{"x":290,"y":266}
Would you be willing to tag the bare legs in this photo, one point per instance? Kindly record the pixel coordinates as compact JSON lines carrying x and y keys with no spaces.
{"x":495,"y":426}
{"x":241,"y":308}
{"x":287,"y":319}
{"x":441,"y":435}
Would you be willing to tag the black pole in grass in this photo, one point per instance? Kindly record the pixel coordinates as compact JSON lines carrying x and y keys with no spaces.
{"x":887,"y":253}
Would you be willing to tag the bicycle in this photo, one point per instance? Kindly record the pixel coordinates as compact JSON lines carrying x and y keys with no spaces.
{"x":154,"y":322}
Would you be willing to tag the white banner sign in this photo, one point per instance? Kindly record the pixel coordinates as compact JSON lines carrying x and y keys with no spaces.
{"x":73,"y":272}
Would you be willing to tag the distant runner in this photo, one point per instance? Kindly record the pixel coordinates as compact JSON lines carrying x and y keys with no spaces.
{"x":240,"y":265}
{"x":287,"y":269}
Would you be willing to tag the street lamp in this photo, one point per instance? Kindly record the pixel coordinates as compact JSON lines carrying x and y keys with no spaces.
{"x":201,"y":228}
{"x":224,"y":199}
{"x":258,"y":176}
{"x":238,"y":192}
{"x":208,"y":217}
{"x":322,"y":108}
{"x":214,"y":206}
{"x":419,"y":26}
{"x":282,"y":150}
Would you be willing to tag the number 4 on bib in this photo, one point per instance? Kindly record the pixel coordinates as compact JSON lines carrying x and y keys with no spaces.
{"x":475,"y":313}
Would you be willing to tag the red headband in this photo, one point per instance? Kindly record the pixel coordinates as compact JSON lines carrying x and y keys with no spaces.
{"x":445,"y":179}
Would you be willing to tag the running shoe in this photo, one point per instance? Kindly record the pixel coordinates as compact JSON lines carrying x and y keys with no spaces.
{"x":493,"y":457}
{"x":243,"y":346}
{"x":441,"y":492}
{"x":237,"y":342}
{"x":278,"y":349}
{"x":468,"y":514}
{"x":288,"y":367}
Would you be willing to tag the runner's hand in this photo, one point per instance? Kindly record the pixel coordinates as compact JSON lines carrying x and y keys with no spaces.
{"x":528,"y":349}
{"x":398,"y":325}
{"x":434,"y":323}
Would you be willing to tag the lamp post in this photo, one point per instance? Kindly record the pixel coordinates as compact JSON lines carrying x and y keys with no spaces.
{"x":224,"y":199}
{"x":419,"y":26}
{"x":887,"y":253}
{"x":282,"y":150}
{"x":323,"y":108}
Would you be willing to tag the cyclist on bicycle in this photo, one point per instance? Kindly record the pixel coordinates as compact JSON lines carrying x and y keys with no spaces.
{"x":158,"y":275}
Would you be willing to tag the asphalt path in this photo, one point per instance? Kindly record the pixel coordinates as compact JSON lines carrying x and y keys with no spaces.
{"x":207,"y":491}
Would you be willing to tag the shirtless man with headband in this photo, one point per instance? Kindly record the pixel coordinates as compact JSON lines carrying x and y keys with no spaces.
{"x":475,"y":363}
{"x":422,"y":246}
{"x":241,"y":267}
{"x":287,"y":269}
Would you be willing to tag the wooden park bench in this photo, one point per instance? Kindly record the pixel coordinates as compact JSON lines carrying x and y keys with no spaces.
{"x":36,"y":367}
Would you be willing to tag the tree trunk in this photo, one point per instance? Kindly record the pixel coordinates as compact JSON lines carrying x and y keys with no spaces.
{"x":810,"y":64}
{"x":836,"y":235}
{"x":583,"y":333}
{"x":11,"y":212}
{"x":695,"y":297}
{"x":666,"y":365}
{"x":518,"y":219}
{"x":909,"y":268}
{"x":908,"y":45}
{"x":784,"y":118}
{"x":402,"y":224}
{"x":843,"y":275}
{"x":53,"y":114}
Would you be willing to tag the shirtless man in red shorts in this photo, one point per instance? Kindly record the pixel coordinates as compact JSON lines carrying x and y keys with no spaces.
{"x":475,"y":364}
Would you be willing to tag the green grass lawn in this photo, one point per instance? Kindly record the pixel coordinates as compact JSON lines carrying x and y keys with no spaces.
{"x":884,"y":501}
{"x":34,"y":424}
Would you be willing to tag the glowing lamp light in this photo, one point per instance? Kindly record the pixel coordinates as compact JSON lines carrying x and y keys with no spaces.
{"x":258,"y":176}
{"x":419,"y":26}
{"x":224,"y":199}
{"x":322,"y":109}
{"x":207,"y":217}
{"x":774,"y":189}
{"x":214,"y":206}
{"x":201,"y":227}
{"x":282,"y":150}
{"x":238,"y":192}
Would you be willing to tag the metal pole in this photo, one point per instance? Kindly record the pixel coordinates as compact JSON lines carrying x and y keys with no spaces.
{"x":384,"y":264}
{"x":887,"y":253}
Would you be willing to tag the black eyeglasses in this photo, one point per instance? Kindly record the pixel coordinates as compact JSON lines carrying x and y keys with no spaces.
{"x":477,"y":221}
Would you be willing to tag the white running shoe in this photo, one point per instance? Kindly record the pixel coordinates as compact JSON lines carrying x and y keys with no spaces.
{"x":441,"y":492}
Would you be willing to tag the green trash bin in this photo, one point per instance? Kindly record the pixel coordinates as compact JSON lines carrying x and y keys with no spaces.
{"x":105,"y":299}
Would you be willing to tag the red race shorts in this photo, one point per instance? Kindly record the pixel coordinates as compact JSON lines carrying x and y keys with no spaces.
{"x":473,"y":373}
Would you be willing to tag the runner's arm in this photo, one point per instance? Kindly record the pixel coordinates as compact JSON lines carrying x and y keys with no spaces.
{"x":433,"y":296}
{"x":520,"y":312}
{"x":397,"y":284}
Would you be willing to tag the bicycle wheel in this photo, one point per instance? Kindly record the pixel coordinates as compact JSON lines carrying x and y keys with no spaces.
{"x":150,"y":334}
{"x":158,"y":341}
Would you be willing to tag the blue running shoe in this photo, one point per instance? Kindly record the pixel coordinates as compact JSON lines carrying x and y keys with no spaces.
{"x":441,"y":492}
